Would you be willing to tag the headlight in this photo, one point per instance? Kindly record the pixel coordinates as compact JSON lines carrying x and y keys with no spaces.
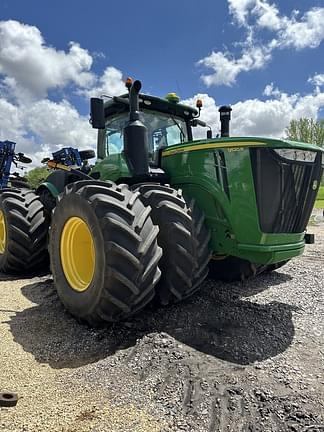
{"x":296,"y":155}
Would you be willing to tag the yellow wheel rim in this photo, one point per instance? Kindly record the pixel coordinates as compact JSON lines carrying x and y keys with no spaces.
{"x":77,"y":254}
{"x":3,"y":235}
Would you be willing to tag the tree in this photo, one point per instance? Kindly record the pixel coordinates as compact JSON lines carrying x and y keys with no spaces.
{"x":306,"y":130}
{"x":36,"y":176}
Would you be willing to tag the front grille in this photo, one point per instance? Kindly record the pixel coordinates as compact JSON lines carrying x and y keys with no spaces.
{"x":284,"y":190}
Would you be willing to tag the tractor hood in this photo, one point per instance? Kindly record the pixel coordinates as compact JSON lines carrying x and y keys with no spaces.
{"x":239,"y":142}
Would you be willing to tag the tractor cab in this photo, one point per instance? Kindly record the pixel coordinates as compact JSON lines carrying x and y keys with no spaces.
{"x":164,"y":123}
{"x":167,"y":123}
{"x":163,"y":128}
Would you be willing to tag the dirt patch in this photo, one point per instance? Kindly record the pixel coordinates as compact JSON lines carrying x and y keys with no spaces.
{"x":234,"y":357}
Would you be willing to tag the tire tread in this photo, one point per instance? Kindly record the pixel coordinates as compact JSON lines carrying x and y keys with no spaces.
{"x":131,"y":271}
{"x":184,"y":239}
{"x":27,"y":230}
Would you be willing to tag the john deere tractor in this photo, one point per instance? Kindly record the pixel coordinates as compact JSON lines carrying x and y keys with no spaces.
{"x":159,"y":209}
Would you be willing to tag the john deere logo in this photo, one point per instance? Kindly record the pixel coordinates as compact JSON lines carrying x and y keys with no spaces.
{"x":315,"y":184}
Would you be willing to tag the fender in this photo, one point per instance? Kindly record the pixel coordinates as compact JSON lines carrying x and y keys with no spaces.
{"x":50,"y":187}
{"x":57,"y":180}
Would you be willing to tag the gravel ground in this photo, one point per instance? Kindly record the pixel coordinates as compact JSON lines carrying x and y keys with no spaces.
{"x":235,"y":357}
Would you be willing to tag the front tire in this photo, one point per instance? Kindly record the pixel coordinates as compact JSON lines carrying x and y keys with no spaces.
{"x":104,"y":252}
{"x":183,"y":238}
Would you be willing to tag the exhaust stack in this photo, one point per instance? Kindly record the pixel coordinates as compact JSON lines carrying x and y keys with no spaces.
{"x":135,"y":136}
{"x":225,"y":117}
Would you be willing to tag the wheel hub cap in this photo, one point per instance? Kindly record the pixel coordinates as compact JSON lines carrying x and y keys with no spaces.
{"x":77,"y":253}
{"x":3,"y":235}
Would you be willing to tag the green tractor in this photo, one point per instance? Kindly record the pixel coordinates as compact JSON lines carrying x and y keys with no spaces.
{"x":159,"y":210}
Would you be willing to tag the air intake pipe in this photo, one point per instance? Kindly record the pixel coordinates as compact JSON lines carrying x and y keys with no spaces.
{"x":225,"y":117}
{"x":136,"y":136}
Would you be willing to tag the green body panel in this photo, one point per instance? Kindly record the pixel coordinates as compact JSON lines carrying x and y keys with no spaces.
{"x":113,"y":167}
{"x":234,"y":221}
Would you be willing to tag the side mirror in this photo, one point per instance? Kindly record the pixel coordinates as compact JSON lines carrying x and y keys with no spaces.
{"x":97,"y":113}
{"x":196,"y":122}
{"x":209,"y":134}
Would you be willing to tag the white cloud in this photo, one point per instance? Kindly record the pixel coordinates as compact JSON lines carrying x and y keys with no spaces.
{"x":240,"y":9}
{"x":268,"y":16}
{"x":111,"y":83}
{"x":317,"y":80}
{"x":306,"y":33}
{"x":270,"y":90}
{"x":59,"y":125}
{"x":226,"y":69}
{"x":28,"y":70}
{"x":33,"y":67}
{"x":286,"y":32}
{"x":262,"y":118}
{"x":44,"y":126}
{"x":309,"y":105}
{"x":254,"y":117}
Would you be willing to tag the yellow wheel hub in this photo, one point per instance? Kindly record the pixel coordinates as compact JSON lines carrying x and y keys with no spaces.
{"x":3,"y":235}
{"x":77,"y":253}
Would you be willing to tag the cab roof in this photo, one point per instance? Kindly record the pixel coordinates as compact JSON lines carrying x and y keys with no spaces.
{"x":120,"y":104}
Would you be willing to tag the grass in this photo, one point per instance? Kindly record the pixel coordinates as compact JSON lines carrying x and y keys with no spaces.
{"x":320,"y":195}
{"x":319,"y":203}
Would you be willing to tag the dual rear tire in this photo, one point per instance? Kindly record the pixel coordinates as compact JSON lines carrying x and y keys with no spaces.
{"x":183,"y":238}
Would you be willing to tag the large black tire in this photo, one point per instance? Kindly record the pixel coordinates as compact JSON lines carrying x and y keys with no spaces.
{"x":87,"y":154}
{"x":125,"y":246}
{"x":184,"y":240}
{"x":26,"y":228}
{"x":231,"y":269}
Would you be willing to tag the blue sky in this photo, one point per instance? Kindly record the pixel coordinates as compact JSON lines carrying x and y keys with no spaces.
{"x":265,"y":58}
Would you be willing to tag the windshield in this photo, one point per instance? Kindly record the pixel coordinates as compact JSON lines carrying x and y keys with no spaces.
{"x":163,"y":130}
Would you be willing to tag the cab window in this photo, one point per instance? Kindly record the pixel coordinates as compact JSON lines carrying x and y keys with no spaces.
{"x":163,"y":130}
{"x":114,"y":134}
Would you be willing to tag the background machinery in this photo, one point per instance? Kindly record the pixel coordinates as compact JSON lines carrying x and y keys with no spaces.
{"x":23,"y":230}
